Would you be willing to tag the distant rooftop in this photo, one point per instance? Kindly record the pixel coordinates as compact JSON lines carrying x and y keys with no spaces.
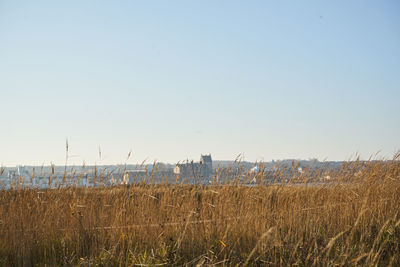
{"x":205,"y":158}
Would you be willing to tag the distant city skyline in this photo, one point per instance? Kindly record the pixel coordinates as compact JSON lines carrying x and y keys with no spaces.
{"x":172,"y":80}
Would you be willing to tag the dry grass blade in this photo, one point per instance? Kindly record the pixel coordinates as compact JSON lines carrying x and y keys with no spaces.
{"x":265,"y":237}
{"x":331,"y":242}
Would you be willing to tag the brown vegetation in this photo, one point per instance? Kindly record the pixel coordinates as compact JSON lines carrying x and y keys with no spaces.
{"x":353,"y":220}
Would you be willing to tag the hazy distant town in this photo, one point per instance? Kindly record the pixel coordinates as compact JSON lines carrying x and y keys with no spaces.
{"x":204,"y":171}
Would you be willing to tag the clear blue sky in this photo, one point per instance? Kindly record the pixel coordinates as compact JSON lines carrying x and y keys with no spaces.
{"x":174,"y":79}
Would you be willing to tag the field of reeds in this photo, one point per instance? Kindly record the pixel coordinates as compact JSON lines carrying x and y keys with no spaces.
{"x":352,"y":220}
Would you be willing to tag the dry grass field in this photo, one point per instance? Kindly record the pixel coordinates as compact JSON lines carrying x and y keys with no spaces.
{"x":352,"y":220}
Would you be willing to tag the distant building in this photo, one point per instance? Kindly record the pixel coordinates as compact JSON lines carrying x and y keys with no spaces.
{"x":132,"y":176}
{"x":206,"y":161}
{"x":195,"y":170}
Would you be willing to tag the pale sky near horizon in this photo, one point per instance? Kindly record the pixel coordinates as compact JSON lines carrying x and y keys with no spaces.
{"x":170,"y":80}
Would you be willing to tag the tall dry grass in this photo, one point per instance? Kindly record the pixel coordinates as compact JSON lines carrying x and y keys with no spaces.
{"x":352,"y":220}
